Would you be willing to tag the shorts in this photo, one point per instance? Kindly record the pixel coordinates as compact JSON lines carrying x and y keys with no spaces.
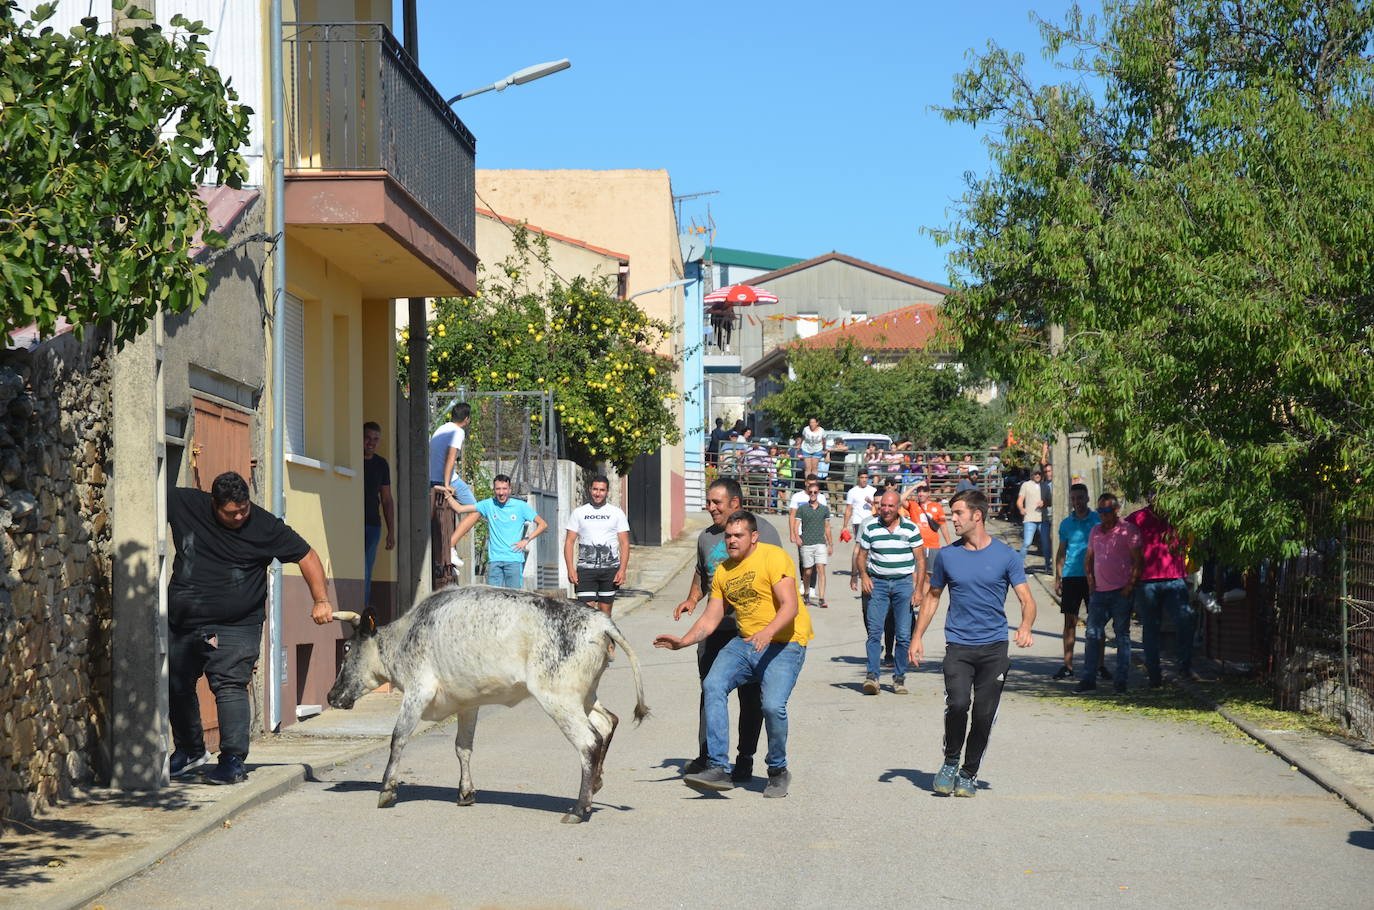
{"x":811,"y":453}
{"x":596,"y":585}
{"x":1075,"y":594}
{"x":813,"y":555}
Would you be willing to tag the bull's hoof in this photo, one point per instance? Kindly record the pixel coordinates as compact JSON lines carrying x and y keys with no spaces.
{"x":387,"y":799}
{"x":468,"y":798}
{"x":576,"y":818}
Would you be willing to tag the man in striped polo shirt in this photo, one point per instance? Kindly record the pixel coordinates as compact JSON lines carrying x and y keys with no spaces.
{"x":892,"y":566}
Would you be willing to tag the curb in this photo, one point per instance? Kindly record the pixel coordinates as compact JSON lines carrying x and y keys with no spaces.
{"x":1323,"y":777}
{"x":1310,"y":767}
{"x":80,"y":894}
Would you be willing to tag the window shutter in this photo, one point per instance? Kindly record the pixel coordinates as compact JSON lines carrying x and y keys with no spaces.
{"x":295,"y":376}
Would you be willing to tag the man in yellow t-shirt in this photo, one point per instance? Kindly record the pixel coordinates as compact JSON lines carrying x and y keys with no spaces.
{"x":759,"y":582}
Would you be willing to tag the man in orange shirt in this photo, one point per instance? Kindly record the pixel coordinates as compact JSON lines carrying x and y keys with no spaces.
{"x":929,"y":516}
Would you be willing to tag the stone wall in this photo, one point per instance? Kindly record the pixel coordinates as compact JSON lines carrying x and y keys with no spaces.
{"x":55,"y":605}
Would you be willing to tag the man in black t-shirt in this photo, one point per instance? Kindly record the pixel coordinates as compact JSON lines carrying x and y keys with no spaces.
{"x":377,"y":504}
{"x":215,"y":610}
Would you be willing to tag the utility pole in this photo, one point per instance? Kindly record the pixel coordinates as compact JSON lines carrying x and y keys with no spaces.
{"x":412,"y":425}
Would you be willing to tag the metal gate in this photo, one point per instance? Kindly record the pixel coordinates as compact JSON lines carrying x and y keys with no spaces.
{"x":512,"y":433}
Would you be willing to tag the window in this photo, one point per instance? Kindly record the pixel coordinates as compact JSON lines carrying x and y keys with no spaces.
{"x":294,"y":382}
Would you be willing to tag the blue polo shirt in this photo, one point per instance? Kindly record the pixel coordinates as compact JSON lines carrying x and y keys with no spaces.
{"x":505,"y":526}
{"x":1074,"y":533}
{"x":978,"y":581}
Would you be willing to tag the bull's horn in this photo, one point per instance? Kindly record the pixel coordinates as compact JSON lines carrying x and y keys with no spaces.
{"x":348,"y":616}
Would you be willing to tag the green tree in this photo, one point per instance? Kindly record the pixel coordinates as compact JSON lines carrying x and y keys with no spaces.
{"x":1194,"y":210}
{"x":104,"y":138}
{"x":911,"y":399}
{"x":613,"y":394}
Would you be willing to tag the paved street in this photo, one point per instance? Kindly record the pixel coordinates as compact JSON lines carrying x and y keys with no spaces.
{"x":1075,"y":808}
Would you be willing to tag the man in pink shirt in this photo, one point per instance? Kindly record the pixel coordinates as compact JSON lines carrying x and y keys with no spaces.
{"x":1112,"y":565}
{"x":1162,"y":585}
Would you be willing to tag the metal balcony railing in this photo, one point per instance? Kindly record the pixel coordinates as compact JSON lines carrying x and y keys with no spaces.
{"x":357,"y":101}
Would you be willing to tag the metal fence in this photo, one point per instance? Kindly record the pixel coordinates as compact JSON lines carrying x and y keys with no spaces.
{"x":357,"y":101}
{"x":1321,"y":606}
{"x":512,"y":433}
{"x":767,"y":486}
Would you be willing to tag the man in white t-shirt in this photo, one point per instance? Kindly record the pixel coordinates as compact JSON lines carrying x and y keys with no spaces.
{"x":596,"y":549}
{"x":858,"y":509}
{"x":445,"y":451}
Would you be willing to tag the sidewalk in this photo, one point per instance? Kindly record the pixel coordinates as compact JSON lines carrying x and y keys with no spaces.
{"x":75,"y":852}
{"x":1345,"y":767}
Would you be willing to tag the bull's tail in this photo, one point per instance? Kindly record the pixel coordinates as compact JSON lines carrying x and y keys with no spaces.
{"x":641,"y":709}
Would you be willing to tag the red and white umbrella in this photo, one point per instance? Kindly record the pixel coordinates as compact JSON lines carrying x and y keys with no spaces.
{"x":741,"y":295}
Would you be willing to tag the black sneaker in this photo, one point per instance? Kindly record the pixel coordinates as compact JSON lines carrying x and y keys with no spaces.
{"x":1063,"y":673}
{"x":1102,"y":673}
{"x":1084,"y":686}
{"x":743,"y":772}
{"x":713,"y":778}
{"x":778,"y":781}
{"x":182,"y":764}
{"x":228,"y":771}
{"x":696,"y":765}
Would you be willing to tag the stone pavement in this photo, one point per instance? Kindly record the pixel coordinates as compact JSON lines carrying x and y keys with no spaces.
{"x":75,"y":853}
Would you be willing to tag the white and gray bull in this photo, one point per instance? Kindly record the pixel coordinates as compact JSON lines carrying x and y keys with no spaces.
{"x":461,"y":648}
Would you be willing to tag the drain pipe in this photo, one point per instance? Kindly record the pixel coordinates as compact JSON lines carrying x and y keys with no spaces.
{"x":276,"y":652}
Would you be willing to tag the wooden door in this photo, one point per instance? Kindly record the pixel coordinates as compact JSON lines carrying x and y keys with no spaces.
{"x":222,"y":442}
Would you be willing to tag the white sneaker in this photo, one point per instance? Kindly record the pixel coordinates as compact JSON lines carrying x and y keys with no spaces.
{"x":454,"y":558}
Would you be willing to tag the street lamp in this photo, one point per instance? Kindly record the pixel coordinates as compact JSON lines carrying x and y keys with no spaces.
{"x":672,"y":284}
{"x":528,"y":74}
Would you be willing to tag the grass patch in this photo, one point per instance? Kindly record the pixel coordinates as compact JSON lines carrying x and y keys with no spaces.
{"x":1248,"y":699}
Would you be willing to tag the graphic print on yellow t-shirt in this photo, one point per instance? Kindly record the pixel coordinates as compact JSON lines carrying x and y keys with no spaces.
{"x":747,"y":585}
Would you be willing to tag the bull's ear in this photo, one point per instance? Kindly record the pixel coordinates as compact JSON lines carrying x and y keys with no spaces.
{"x":368,"y":625}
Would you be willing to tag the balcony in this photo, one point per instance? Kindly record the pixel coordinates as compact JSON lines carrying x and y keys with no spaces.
{"x":380,"y":171}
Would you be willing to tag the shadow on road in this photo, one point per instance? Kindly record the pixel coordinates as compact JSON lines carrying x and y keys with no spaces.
{"x":1363,"y":839}
{"x":540,"y":802}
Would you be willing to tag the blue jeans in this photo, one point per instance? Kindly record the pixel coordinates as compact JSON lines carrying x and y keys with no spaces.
{"x":1151,"y":597}
{"x":1028,"y":531}
{"x":890,"y":596}
{"x":506,"y":574}
{"x":372,"y":535}
{"x":1102,"y":604}
{"x":775,"y":669}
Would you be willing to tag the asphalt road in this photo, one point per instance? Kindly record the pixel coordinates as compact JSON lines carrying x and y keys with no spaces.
{"x":1075,"y":809}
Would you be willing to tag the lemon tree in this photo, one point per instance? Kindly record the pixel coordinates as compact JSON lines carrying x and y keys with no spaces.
{"x":528,"y":329}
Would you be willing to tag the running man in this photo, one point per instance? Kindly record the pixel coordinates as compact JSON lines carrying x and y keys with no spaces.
{"x":978,"y":571}
{"x":759,"y":583}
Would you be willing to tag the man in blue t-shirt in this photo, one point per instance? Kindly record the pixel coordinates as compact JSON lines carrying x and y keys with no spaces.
{"x":1070,"y":579}
{"x":978,"y":571}
{"x":508,"y":532}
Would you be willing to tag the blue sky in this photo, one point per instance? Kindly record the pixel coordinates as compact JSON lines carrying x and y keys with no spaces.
{"x":815,"y":127}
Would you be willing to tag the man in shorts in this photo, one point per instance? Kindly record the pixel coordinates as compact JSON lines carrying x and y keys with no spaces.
{"x":1070,"y":579}
{"x":810,"y":524}
{"x":596,"y":549}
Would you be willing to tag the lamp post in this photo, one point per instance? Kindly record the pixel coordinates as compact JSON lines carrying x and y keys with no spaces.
{"x":520,"y":77}
{"x":681,"y":282}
